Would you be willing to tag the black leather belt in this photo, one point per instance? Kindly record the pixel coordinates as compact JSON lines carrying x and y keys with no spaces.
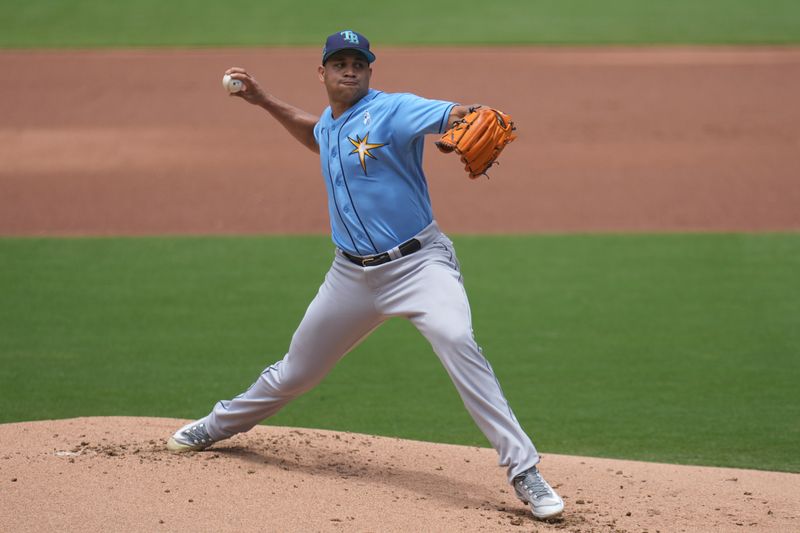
{"x":407,"y":248}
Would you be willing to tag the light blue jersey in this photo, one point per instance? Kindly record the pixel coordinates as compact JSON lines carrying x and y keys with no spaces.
{"x":371,"y":159}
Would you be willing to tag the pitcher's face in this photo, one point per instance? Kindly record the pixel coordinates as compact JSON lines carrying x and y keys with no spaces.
{"x":346,"y":76}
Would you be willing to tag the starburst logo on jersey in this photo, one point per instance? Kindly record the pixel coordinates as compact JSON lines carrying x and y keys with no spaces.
{"x":363,"y":147}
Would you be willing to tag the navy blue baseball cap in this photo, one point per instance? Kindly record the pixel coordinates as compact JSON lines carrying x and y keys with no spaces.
{"x":347,"y":40}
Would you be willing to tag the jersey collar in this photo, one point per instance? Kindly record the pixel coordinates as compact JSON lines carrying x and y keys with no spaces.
{"x":371,"y":94}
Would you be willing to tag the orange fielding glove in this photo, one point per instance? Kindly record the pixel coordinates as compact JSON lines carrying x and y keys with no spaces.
{"x":479,"y":138}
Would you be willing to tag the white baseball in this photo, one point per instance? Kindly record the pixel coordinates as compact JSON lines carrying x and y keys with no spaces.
{"x":232,"y":85}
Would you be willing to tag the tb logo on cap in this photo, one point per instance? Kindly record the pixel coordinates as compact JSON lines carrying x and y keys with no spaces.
{"x":349,"y":36}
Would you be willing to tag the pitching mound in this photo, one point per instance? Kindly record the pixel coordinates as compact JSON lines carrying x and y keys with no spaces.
{"x":113,"y":474}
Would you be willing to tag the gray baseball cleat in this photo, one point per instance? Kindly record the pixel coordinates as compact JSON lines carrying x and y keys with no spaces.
{"x":192,"y":437}
{"x":531,"y":488}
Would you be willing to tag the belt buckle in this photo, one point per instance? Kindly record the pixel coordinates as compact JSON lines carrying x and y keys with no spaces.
{"x":366,"y":261}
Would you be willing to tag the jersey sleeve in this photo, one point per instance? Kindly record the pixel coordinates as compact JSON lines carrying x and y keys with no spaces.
{"x":318,"y":127}
{"x":419,"y":116}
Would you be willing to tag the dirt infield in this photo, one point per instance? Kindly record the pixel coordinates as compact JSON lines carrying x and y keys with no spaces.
{"x":113,"y":474}
{"x":146,"y":142}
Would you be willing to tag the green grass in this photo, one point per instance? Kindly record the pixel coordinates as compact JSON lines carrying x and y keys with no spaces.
{"x":676,"y":348}
{"x":100,"y":23}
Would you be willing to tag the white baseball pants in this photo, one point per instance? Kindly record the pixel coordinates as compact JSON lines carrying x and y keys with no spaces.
{"x":426,"y":288}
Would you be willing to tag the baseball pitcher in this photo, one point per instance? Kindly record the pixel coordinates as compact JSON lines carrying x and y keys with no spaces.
{"x":391,"y":259}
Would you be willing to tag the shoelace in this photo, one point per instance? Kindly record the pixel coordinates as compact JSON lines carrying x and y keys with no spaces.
{"x":534,"y":484}
{"x":197,"y":434}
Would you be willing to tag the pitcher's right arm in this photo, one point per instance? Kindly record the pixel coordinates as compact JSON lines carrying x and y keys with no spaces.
{"x":300,"y":124}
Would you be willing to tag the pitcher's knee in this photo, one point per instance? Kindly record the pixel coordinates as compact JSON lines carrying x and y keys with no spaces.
{"x":453,"y":337}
